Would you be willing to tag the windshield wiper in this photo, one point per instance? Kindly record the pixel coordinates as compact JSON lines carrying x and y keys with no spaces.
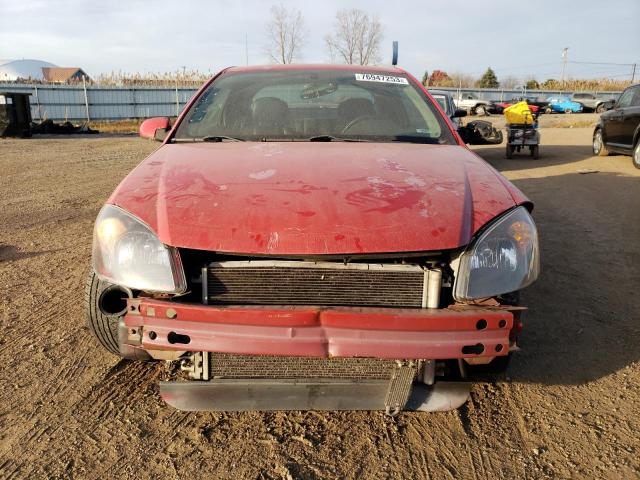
{"x":331,"y":138}
{"x":220,"y":138}
{"x":416,"y":139}
{"x":208,"y":138}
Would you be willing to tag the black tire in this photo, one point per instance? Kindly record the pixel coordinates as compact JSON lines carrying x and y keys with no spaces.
{"x":568,"y":111}
{"x":104,"y":327}
{"x":636,"y":155}
{"x":509,"y":151}
{"x":600,"y":108}
{"x":599,"y":149}
{"x":534,"y":152}
{"x":548,"y":110}
{"x":481,"y":110}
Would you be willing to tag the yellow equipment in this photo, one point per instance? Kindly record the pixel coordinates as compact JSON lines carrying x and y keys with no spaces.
{"x":519,"y":113}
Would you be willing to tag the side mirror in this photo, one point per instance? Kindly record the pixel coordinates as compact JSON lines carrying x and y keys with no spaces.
{"x":459,"y":113}
{"x":155,"y":128}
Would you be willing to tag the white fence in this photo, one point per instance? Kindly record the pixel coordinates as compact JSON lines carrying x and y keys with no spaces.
{"x":74,"y":102}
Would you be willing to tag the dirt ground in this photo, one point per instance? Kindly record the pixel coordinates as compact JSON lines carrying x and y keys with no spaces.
{"x":567,"y":409}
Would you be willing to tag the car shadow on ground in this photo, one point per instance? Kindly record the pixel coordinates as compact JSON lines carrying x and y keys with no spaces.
{"x":583,"y":318}
{"x":550,"y":155}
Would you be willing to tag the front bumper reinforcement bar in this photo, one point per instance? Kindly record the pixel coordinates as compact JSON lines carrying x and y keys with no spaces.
{"x":450,"y":333}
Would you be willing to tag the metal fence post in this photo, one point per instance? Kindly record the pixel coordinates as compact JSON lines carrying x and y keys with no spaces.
{"x":133,"y":102}
{"x":177,"y":100}
{"x":86,"y":99}
{"x":35,"y":87}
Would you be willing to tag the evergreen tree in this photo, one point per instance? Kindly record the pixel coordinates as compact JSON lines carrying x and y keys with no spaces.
{"x":425,"y":79}
{"x":488,"y":79}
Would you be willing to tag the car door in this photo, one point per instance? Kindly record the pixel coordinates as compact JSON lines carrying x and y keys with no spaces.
{"x":615,"y":126}
{"x":630,"y":119}
{"x":452,"y":110}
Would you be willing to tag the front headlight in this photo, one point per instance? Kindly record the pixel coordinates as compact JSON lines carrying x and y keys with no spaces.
{"x":128,"y":253}
{"x":503,"y":259}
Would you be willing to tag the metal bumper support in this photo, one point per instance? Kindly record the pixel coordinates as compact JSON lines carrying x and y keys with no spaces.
{"x":320,"y":332}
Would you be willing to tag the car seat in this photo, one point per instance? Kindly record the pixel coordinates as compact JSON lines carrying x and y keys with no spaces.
{"x":271,"y":116}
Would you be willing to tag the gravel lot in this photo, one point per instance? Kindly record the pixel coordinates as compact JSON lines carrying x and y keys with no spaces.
{"x":568,"y":409}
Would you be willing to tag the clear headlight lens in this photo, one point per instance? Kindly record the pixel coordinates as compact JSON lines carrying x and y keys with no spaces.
{"x":128,"y":253}
{"x":503,"y":259}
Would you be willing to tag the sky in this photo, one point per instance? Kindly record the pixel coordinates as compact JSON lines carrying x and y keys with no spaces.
{"x":520,"y":39}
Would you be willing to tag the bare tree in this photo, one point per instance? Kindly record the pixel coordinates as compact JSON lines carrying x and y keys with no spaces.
{"x":461,"y":80}
{"x":509,"y":82}
{"x":356,"y":39}
{"x":285,"y":34}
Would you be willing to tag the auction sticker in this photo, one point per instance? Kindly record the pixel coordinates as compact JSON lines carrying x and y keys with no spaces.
{"x":374,"y":77}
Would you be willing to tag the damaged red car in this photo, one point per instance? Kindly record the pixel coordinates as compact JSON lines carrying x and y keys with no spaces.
{"x":312,"y":237}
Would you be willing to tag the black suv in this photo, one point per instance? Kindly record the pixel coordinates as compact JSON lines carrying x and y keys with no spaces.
{"x":618,"y":130}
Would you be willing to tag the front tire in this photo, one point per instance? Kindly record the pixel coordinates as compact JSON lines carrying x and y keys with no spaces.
{"x":598,"y":144}
{"x":481,"y":110}
{"x":509,"y":151}
{"x":535,"y":152}
{"x":600,"y":108}
{"x":104,"y":307}
{"x":636,"y":155}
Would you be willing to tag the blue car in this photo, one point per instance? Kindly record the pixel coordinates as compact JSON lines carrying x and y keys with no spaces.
{"x":562,"y":104}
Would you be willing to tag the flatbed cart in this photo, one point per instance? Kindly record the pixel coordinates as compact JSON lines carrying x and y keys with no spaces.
{"x":521,"y":136}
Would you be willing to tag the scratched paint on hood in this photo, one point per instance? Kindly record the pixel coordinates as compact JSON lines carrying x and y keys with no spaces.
{"x":311,"y":198}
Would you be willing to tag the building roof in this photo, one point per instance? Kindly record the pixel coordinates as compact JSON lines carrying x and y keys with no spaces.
{"x":62,"y":74}
{"x":26,"y":69}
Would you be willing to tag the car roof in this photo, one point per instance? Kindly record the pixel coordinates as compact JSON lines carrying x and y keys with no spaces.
{"x":439,"y":92}
{"x":320,"y":67}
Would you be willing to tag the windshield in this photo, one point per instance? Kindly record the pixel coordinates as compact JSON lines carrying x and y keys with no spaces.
{"x":314,"y":105}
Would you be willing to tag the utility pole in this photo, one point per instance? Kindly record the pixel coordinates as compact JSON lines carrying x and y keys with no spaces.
{"x":633,"y":73}
{"x":565,"y":58}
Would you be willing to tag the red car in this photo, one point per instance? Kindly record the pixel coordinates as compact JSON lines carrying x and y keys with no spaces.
{"x":499,"y":107}
{"x":312,"y":237}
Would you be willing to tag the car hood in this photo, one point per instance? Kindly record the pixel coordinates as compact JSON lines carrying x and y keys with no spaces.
{"x":302,"y":198}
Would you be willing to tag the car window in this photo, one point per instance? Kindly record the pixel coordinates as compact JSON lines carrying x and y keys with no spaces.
{"x":636,"y":98}
{"x":625,"y":98}
{"x":301,"y":104}
{"x":442,"y":101}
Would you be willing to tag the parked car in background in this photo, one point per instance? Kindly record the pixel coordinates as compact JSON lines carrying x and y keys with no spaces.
{"x":470,"y":102}
{"x":592,"y":103}
{"x":312,"y":237}
{"x":618,"y":130}
{"x":536,"y":105}
{"x":562,"y":104}
{"x":445,"y":100}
